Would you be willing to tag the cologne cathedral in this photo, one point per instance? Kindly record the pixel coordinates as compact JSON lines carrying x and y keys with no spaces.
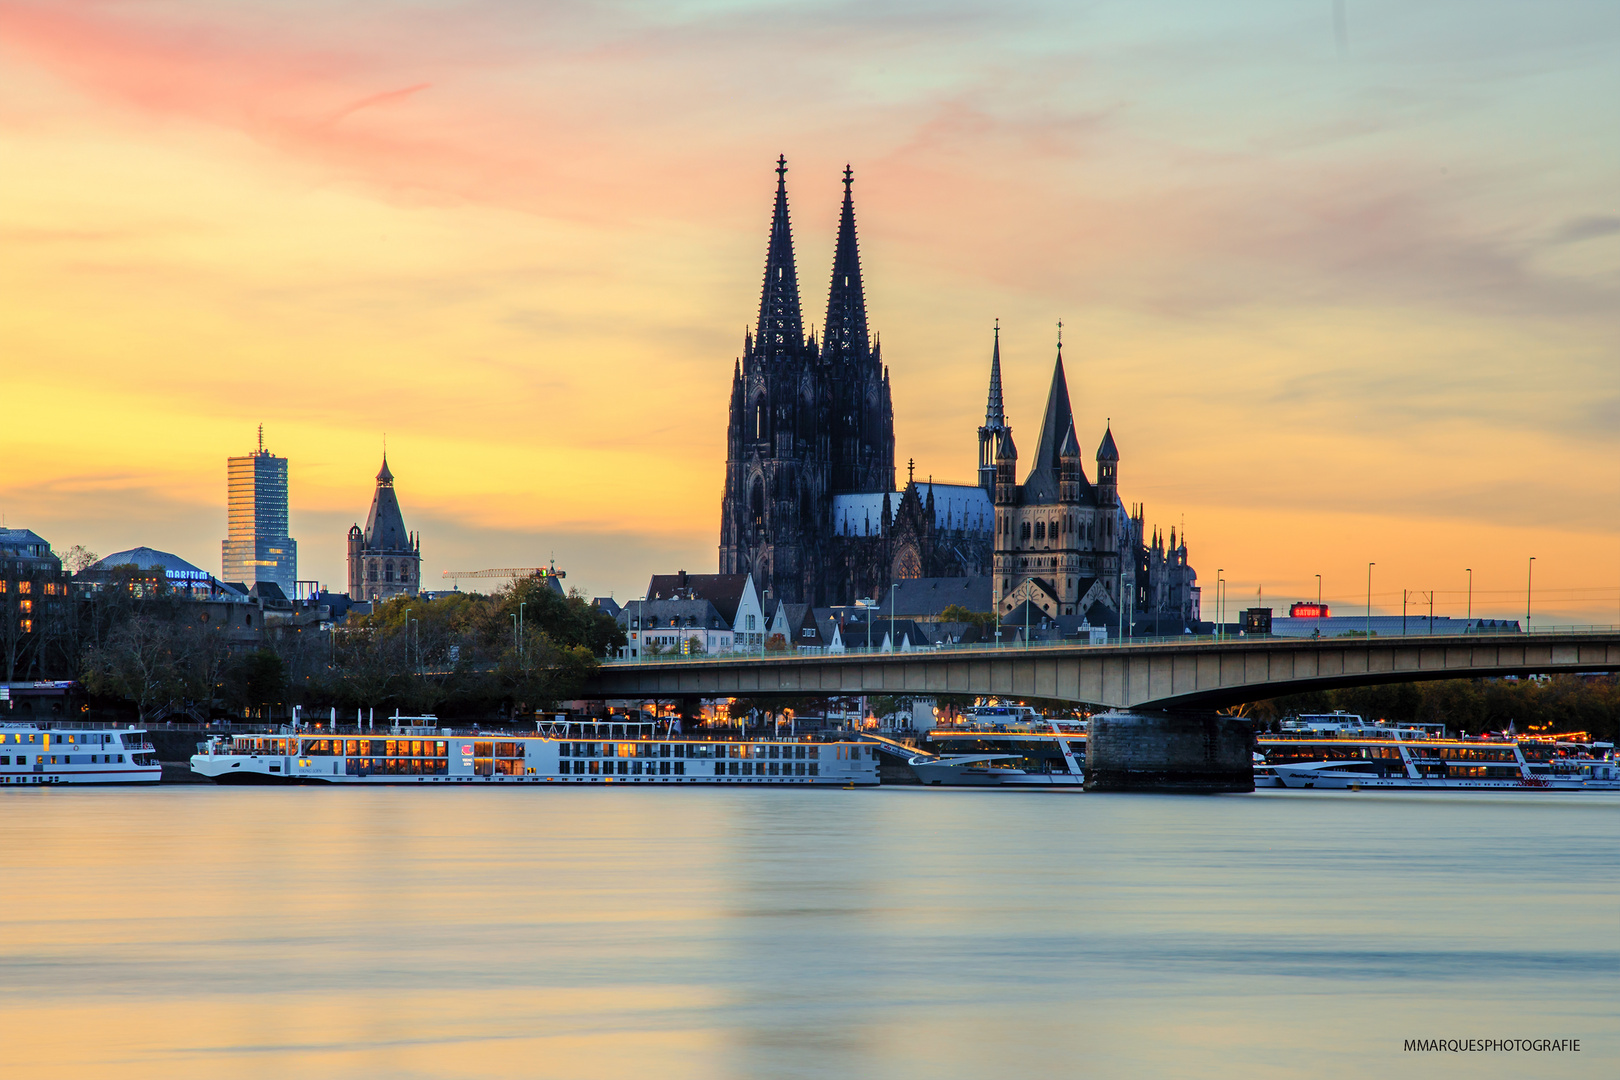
{"x":811,"y":506}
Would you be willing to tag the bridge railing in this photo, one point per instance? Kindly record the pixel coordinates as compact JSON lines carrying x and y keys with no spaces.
{"x":1143,"y":641}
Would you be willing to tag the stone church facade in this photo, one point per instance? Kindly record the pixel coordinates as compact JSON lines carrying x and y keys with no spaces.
{"x":811,"y":507}
{"x":384,"y":559}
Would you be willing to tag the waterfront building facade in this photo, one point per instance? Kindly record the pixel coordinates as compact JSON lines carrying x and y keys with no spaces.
{"x":33,"y":599}
{"x":384,"y":559}
{"x":733,"y":596}
{"x":811,"y":508}
{"x":257,"y":547}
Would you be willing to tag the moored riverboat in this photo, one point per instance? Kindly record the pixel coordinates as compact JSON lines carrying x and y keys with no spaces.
{"x":1014,"y":751}
{"x":1358,"y":757}
{"x":565,"y":752}
{"x":60,"y":754}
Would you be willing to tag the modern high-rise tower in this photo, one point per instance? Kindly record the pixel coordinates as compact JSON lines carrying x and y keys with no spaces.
{"x":257,"y":547}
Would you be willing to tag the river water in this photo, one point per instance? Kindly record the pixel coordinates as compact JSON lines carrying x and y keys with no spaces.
{"x":194,"y":931}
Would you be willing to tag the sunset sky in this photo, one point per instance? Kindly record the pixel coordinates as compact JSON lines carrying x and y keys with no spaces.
{"x":1348,"y":288}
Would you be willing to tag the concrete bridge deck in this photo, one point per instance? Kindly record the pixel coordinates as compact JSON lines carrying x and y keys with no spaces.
{"x":1200,"y":673}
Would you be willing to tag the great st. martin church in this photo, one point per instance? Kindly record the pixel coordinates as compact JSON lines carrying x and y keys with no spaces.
{"x":811,"y":507}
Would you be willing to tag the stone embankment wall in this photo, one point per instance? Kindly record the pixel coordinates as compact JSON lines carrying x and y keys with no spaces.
{"x":1195,"y":752}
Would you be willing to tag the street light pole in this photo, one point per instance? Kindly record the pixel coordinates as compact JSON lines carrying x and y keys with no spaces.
{"x":1318,"y":605}
{"x":520,"y":629}
{"x":1218,"y":572}
{"x":1121,"y":612}
{"x":894,"y":587}
{"x":1529,"y":576}
{"x":1470,"y":594}
{"x":1368,"y":627}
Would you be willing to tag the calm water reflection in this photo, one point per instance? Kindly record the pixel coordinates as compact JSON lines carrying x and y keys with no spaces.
{"x":199,"y":932}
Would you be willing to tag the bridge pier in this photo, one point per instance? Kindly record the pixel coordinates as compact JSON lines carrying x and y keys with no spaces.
{"x":1151,"y":750}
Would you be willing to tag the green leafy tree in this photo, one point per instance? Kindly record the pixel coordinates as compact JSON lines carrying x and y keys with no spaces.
{"x":958,"y":613}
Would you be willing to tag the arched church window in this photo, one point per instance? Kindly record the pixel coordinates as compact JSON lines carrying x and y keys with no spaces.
{"x":1040,"y":530}
{"x":371,"y":571}
{"x":388,"y":571}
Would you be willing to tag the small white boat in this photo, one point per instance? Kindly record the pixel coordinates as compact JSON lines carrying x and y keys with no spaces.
{"x":33,"y":755}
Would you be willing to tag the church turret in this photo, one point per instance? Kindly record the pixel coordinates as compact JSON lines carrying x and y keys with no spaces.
{"x":1069,"y":468}
{"x":995,"y":420}
{"x":357,"y":547}
{"x":1108,"y":469}
{"x":1006,"y":470}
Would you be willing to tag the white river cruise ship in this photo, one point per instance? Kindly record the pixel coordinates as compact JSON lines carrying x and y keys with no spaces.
{"x":31,"y":754}
{"x":566,"y":752}
{"x":1341,"y":751}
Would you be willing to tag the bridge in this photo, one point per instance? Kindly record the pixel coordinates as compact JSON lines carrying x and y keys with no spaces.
{"x":1174,"y":674}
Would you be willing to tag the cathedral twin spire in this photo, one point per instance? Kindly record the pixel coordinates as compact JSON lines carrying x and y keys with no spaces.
{"x":845,"y":331}
{"x":781,"y":323}
{"x":781,"y":326}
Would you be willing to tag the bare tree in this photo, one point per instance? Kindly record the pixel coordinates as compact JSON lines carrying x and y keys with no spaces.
{"x":141,"y":659}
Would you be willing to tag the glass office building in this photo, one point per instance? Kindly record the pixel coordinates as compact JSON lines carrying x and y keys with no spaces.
{"x":257,"y":547}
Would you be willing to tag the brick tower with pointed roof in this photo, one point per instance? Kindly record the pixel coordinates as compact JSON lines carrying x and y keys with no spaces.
{"x":384,"y":559}
{"x":1058,"y":538}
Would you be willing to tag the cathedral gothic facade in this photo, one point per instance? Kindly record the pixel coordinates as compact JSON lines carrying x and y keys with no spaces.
{"x":811,"y":507}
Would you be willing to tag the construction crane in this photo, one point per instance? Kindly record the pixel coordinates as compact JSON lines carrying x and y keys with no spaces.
{"x":509,"y":572}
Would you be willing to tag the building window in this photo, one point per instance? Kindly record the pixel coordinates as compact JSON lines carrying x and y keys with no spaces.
{"x":388,"y":571}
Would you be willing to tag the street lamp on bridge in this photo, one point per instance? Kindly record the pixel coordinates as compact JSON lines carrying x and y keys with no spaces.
{"x":1529,"y":576}
{"x":1368,"y":627}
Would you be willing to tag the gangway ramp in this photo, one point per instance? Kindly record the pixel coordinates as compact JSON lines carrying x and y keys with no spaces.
{"x":894,"y":747}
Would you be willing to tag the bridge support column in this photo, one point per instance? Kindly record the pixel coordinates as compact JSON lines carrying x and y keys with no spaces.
{"x":1147,"y":750}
